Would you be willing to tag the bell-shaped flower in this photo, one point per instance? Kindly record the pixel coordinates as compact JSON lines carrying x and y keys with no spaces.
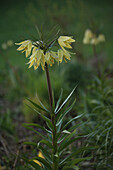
{"x":94,"y":41}
{"x":65,"y":41}
{"x":37,"y":58}
{"x":63,"y":55}
{"x":49,"y":58}
{"x":25,"y":46}
{"x":101,"y":38}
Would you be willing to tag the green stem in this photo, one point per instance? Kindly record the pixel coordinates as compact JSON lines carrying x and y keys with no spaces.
{"x":96,"y":57}
{"x":49,"y":87}
{"x":54,"y":131}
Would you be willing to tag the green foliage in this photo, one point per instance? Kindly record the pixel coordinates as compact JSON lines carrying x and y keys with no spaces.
{"x":6,"y":124}
{"x":55,"y":143}
{"x":98,"y":106}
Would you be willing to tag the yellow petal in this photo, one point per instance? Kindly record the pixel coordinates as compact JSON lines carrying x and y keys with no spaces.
{"x":31,"y":64}
{"x":20,"y":48}
{"x":60,"y":55}
{"x":20,"y":43}
{"x":37,"y":162}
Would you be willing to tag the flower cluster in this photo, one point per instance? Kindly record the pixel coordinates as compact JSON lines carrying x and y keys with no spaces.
{"x":7,"y":44}
{"x":91,"y":38}
{"x":41,"y":52}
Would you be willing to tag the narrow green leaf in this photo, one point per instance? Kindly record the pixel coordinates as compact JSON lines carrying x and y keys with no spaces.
{"x":46,"y":154}
{"x":46,"y":142}
{"x":36,"y":105}
{"x":73,"y":154}
{"x":43,"y":117}
{"x":34,"y":164}
{"x":66,"y":100}
{"x":58,"y":102}
{"x":35,"y":131}
{"x":71,"y":121}
{"x":66,"y":141}
{"x":37,"y":125}
{"x":59,"y":121}
{"x":66,"y":131}
{"x":30,"y":143}
{"x":44,"y":162}
{"x":39,"y":33}
{"x":78,"y":160}
{"x":69,"y":167}
{"x":41,"y":103}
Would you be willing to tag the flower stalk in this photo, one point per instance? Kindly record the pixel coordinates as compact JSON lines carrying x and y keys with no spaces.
{"x":40,"y":54}
{"x":54,"y":132}
{"x":96,"y":57}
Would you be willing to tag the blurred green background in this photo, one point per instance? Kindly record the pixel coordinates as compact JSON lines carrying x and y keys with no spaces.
{"x":73,"y":16}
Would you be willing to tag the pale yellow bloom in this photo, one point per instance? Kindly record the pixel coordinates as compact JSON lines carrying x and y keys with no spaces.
{"x":88,"y":34}
{"x":94,"y":41}
{"x":101,"y":38}
{"x":49,"y":58}
{"x":4,"y":46}
{"x":25,"y":46}
{"x":86,"y":41}
{"x":63,"y":55}
{"x":10,"y":43}
{"x":91,"y":38}
{"x":37,"y":58}
{"x":65,"y":41}
{"x":41,"y":156}
{"x":41,"y":53}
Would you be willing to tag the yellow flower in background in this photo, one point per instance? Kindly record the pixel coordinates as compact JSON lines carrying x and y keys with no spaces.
{"x":65,"y":41}
{"x":86,"y":41}
{"x":4,"y":46}
{"x":101,"y":38}
{"x":94,"y":41}
{"x":91,"y":38}
{"x":88,"y":34}
{"x":41,"y":156}
{"x":10,"y":43}
{"x":25,"y":46}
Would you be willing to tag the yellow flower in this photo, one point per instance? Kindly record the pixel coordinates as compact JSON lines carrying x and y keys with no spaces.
{"x":25,"y":46}
{"x":65,"y":41}
{"x":10,"y":43}
{"x":4,"y":46}
{"x":41,"y":156}
{"x":101,"y":38}
{"x":88,"y":34}
{"x":86,"y":41}
{"x":94,"y":41}
{"x":49,"y":58}
{"x":91,"y":38}
{"x":63,"y":55}
{"x":37,"y":58}
{"x":41,"y":53}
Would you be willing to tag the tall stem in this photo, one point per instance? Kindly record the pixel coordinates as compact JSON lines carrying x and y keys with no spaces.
{"x":54,"y":131}
{"x":49,"y":87}
{"x":96,"y":57}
